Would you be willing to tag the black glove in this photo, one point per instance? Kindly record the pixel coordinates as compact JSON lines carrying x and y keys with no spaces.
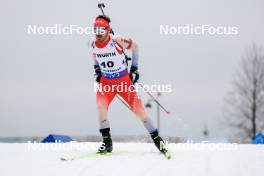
{"x":134,"y":74}
{"x":98,"y":74}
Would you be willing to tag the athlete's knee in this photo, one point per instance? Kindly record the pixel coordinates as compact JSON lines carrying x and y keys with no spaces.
{"x":138,"y":109}
{"x":102,"y":105}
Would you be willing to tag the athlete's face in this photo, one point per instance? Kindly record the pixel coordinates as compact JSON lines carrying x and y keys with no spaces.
{"x":102,"y":33}
{"x":102,"y":29}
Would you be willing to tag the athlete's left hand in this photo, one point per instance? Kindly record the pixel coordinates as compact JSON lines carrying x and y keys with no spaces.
{"x":134,"y":74}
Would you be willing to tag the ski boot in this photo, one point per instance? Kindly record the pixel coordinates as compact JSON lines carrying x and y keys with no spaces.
{"x":106,"y":146}
{"x":160,"y":144}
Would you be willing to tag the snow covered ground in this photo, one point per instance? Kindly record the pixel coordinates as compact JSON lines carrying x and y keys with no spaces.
{"x":131,"y":159}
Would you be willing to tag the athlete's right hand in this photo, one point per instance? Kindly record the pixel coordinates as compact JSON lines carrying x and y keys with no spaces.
{"x":98,"y":74}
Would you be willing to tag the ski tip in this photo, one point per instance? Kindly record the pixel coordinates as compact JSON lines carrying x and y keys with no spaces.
{"x":167,"y":156}
{"x":66,"y":159}
{"x":63,"y":159}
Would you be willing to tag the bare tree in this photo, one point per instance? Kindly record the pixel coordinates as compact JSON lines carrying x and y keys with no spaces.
{"x":244,"y":105}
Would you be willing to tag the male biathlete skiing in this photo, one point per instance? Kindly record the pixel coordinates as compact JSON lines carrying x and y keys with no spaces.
{"x":111,"y":68}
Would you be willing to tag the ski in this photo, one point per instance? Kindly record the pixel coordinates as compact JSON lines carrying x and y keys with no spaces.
{"x":167,"y":155}
{"x":89,"y":155}
{"x":165,"y":151}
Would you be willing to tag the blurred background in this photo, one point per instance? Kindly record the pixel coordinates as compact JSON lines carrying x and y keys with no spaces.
{"x":47,"y":81}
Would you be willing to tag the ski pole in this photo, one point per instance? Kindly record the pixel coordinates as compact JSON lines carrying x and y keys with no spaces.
{"x":101,"y":6}
{"x":156,"y":101}
{"x":122,"y":101}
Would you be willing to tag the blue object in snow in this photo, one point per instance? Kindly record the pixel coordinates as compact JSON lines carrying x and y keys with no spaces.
{"x":52,"y":138}
{"x":258,"y":138}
